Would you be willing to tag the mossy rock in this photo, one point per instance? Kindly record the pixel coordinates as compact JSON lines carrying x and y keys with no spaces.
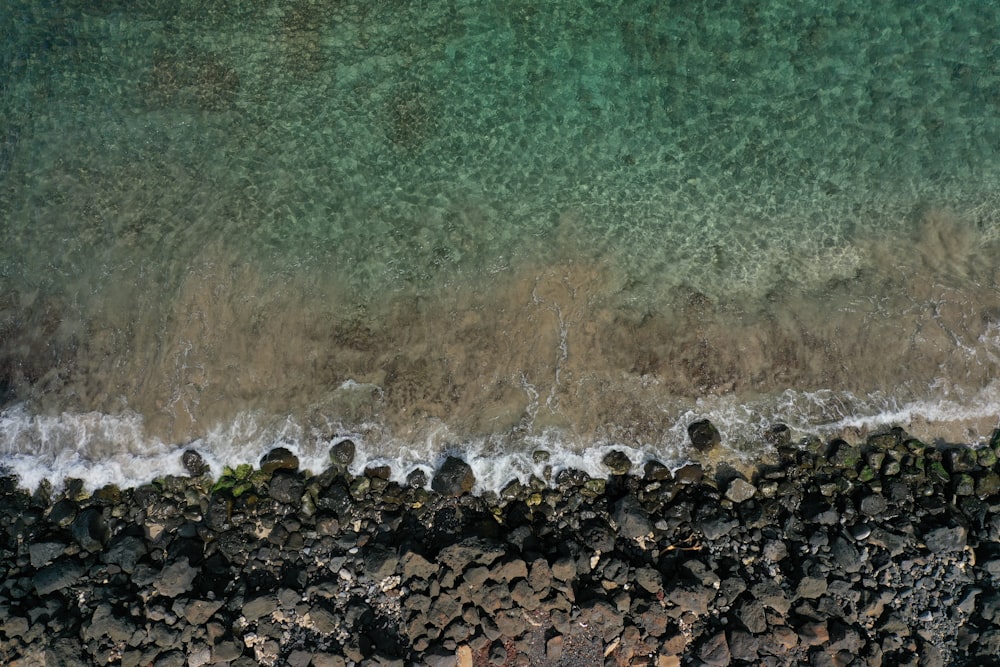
{"x":867,"y":474}
{"x":109,"y":494}
{"x":875,"y":459}
{"x":594,"y":488}
{"x":988,"y":485}
{"x":937,"y":472}
{"x":963,"y":484}
{"x":884,"y":441}
{"x":987,"y":457}
{"x":540,"y":456}
{"x":891,"y":468}
{"x":844,"y":455}
{"x":359,"y":487}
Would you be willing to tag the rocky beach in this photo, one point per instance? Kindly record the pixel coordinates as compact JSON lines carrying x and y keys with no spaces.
{"x":879,"y":552}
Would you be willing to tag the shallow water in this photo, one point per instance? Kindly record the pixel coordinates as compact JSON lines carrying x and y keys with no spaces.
{"x":490,"y":227}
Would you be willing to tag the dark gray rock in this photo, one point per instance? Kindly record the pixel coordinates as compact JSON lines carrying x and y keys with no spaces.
{"x":633,"y":521}
{"x":106,"y":622}
{"x":90,"y":530}
{"x":740,"y":490}
{"x":893,"y":543}
{"x":63,"y":512}
{"x":197,"y":612}
{"x":380,"y":562}
{"x":704,"y":436}
{"x":43,"y":553}
{"x":286,"y":487}
{"x":60,"y":575}
{"x":717,"y":527}
{"x":873,"y":505}
{"x":848,"y":558}
{"x":604,"y":618}
{"x":945,"y":539}
{"x":175,"y":579}
{"x":125,"y":552}
{"x":453,"y":478}
{"x":260,"y":607}
{"x":692,"y":597}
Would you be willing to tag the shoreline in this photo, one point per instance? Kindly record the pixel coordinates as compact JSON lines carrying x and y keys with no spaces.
{"x":878,"y":553}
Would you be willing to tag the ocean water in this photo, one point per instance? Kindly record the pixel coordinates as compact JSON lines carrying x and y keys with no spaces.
{"x":487,"y":228}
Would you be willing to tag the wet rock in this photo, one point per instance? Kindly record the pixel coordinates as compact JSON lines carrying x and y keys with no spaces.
{"x":342,"y":453}
{"x":90,"y":530}
{"x":656,"y":471}
{"x":617,"y":462}
{"x":704,"y":436}
{"x":453,"y":478}
{"x":779,"y":435}
{"x":692,"y":473}
{"x":416,"y":479}
{"x":286,"y":487}
{"x":383,"y":472}
{"x":279,"y":458}
{"x":193,"y":463}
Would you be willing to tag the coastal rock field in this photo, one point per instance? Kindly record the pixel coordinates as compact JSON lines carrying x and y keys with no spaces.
{"x":880,"y":552}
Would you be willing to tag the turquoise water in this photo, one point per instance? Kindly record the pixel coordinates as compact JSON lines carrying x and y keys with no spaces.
{"x":488,"y":226}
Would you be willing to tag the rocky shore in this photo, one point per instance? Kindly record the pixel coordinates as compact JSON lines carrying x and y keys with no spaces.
{"x":882,"y":552}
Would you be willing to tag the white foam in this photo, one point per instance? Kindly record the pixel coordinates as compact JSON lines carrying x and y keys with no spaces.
{"x":104,"y":449}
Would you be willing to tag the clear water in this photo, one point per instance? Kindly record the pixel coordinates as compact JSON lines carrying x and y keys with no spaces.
{"x":490,"y":227}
